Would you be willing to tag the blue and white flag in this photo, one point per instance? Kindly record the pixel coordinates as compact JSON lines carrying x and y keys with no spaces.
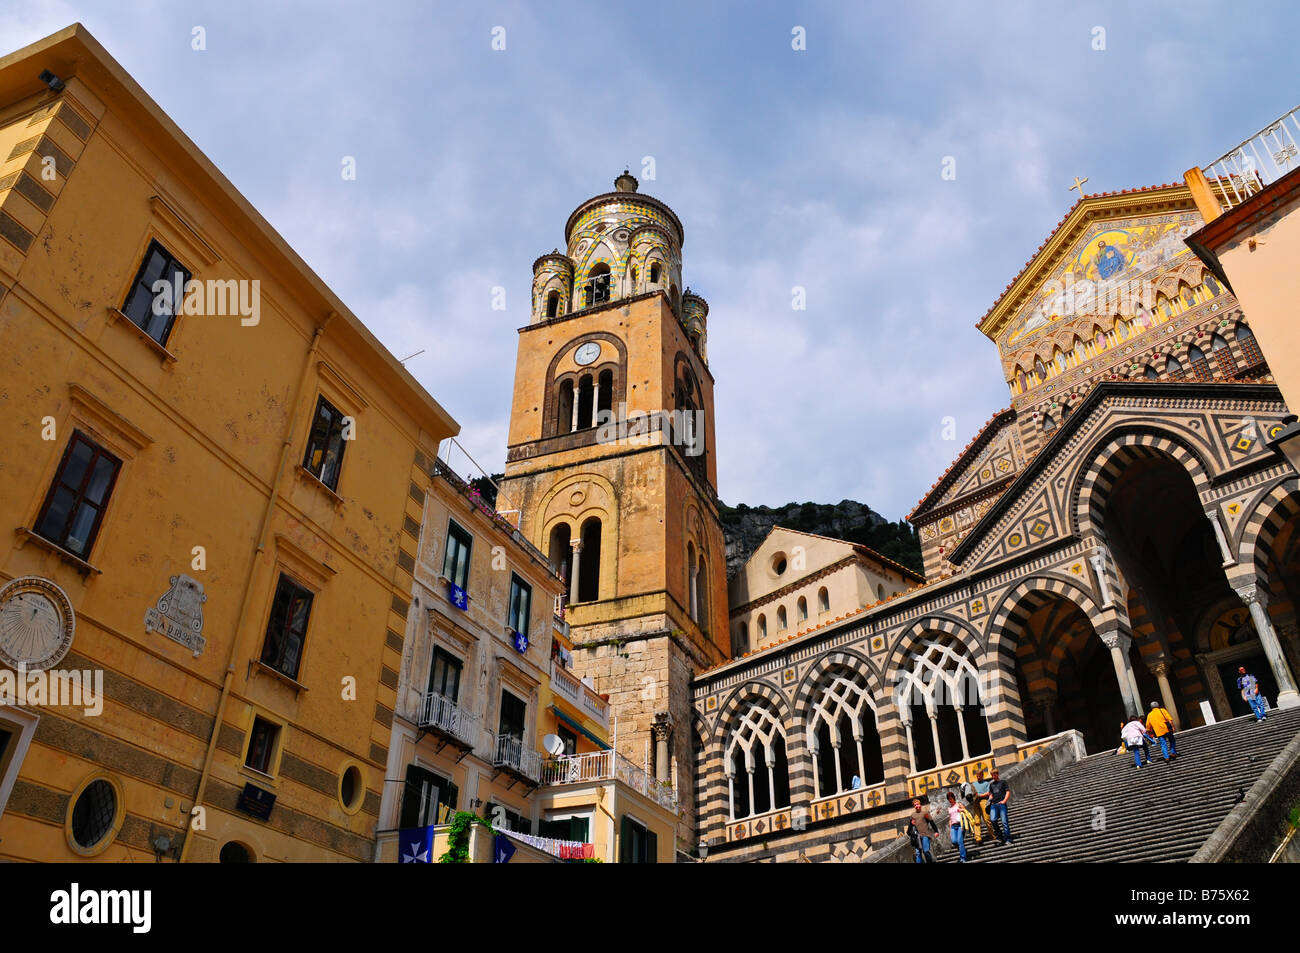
{"x":459,"y":597}
{"x":415,"y":845}
{"x":502,"y":849}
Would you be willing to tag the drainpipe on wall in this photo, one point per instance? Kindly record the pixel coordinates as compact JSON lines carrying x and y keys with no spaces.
{"x":274,"y":495}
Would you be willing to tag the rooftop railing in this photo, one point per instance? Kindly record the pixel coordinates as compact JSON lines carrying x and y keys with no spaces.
{"x":1256,"y":163}
{"x":596,"y":766}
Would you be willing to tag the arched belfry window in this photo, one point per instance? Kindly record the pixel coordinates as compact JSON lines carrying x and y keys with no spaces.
{"x":654,"y":273}
{"x":561,"y":554}
{"x":605,"y":395}
{"x":553,"y":304}
{"x":589,"y":561}
{"x":843,"y":732}
{"x":597,"y":288}
{"x":586,"y":402}
{"x":758,"y":774}
{"x":702,"y":593}
{"x":564,"y":408}
{"x":942,"y":704}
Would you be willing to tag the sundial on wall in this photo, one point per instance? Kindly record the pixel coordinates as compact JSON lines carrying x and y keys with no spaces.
{"x":36,"y":623}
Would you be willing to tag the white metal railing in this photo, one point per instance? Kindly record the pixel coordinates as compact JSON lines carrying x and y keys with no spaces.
{"x":1259,"y":161}
{"x":440,"y":712}
{"x":607,"y":766}
{"x":509,"y":752}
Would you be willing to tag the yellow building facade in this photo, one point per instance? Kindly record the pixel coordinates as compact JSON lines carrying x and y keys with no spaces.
{"x":207,"y":498}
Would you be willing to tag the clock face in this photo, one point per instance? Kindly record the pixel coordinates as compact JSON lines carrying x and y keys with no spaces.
{"x":36,"y":623}
{"x":588,"y":353}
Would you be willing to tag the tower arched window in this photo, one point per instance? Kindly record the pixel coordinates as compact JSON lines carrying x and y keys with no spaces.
{"x":702,"y":594}
{"x":942,"y":705}
{"x":552,"y":304}
{"x":823,"y":600}
{"x":842,"y":729}
{"x":801,"y":609}
{"x":589,"y":561}
{"x":692,"y":583}
{"x":561,"y":553}
{"x":564,"y":408}
{"x":597,"y":288}
{"x":654,"y":273}
{"x":586,"y":401}
{"x":758,"y":775}
{"x":605,"y":395}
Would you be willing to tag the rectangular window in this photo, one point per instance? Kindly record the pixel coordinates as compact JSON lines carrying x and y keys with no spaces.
{"x":569,"y":738}
{"x":261,"y":745}
{"x":637,"y":843}
{"x":287,"y":629}
{"x":502,"y":817}
{"x":513,"y":713}
{"x":155,"y":312}
{"x":444,"y":678}
{"x":74,"y":507}
{"x":566,"y":828}
{"x":324,"y":457}
{"x":427,"y":798}
{"x":455,"y":563}
{"x":521,"y":597}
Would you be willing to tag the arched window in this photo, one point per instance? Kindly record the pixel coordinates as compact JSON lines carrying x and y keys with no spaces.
{"x":740,"y":645}
{"x":843,"y":733}
{"x":942,"y":705}
{"x":823,"y":600}
{"x":880,"y":592}
{"x":692,"y":583}
{"x":1048,"y":423}
{"x":801,"y":609}
{"x":597,"y":287}
{"x":654,"y":273}
{"x":561,"y":553}
{"x":674,"y":298}
{"x":634,"y":277}
{"x":1066,"y":410}
{"x":1150,"y":373}
{"x":780,"y":619}
{"x":1223,"y":355}
{"x":762,"y":627}
{"x":552,"y":304}
{"x":1200,"y":366}
{"x":564,"y":408}
{"x":586,"y":398}
{"x":1173,"y":368}
{"x":589,"y":561}
{"x":758,"y":775}
{"x":605,"y":396}
{"x":702,"y":594}
{"x":1250,"y":352}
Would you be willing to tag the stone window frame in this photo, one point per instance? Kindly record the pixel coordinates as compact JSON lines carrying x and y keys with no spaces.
{"x":550,"y":400}
{"x":22,"y":726}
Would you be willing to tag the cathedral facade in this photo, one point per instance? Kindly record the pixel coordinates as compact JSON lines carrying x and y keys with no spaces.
{"x":1124,"y":532}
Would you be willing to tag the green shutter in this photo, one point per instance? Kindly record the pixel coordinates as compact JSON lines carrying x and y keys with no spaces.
{"x":578,"y":829}
{"x":410,"y":816}
{"x":625,"y":841}
{"x":651,"y":847}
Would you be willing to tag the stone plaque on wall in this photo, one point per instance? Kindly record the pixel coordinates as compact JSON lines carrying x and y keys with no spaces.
{"x":179,"y":614}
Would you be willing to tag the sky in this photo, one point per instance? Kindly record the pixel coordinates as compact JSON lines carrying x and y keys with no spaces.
{"x":819,"y":168}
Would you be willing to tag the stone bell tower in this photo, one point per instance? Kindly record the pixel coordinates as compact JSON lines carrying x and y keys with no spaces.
{"x":613,"y":469}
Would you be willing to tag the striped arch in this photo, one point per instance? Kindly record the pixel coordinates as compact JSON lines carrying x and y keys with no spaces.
{"x":1109,"y":460}
{"x":844,"y":683}
{"x":1271,"y":513}
{"x":753,"y":718}
{"x":897,"y":661}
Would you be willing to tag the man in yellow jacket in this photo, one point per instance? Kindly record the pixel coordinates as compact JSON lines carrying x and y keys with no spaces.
{"x":1161,"y":724}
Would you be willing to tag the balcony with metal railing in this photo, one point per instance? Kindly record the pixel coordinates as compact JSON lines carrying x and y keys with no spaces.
{"x":596,"y":767}
{"x":1250,"y":167}
{"x":578,"y":693}
{"x":442,"y":717}
{"x":511,"y":755}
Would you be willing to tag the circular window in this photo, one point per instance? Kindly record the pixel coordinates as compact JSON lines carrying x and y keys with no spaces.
{"x":778,"y":563}
{"x":351,"y":788}
{"x":94,"y":819}
{"x":235,"y":853}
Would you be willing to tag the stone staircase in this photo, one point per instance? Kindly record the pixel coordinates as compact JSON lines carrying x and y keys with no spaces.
{"x":1159,"y":813}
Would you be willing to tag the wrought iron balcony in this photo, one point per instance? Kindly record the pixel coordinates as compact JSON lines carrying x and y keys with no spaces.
{"x":510,"y":754}
{"x":1256,"y":163}
{"x":601,"y":766}
{"x":443,"y":717}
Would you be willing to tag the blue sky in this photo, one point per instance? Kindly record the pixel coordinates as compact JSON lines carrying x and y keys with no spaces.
{"x":818,"y":168}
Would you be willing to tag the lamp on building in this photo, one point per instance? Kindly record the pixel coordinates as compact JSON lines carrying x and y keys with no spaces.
{"x":52,"y":81}
{"x":162,"y":845}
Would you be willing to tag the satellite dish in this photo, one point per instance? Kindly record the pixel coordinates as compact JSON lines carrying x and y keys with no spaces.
{"x":554,"y":744}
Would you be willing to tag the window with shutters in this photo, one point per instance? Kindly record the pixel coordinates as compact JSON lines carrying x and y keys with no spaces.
{"x":427,"y":798}
{"x":637,"y":843}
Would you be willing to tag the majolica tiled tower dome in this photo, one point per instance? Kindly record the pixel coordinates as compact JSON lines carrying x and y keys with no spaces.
{"x":618,"y":245}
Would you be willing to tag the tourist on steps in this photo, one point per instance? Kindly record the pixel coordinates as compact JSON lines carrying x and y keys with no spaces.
{"x":975,"y":806}
{"x":956,"y":826}
{"x":924,"y":829}
{"x":999,"y":795}
{"x":1134,"y":734}
{"x":1161,"y":724}
{"x":1249,"y":686}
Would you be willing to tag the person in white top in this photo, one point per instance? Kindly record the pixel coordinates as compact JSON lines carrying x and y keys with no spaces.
{"x":1134,"y":734}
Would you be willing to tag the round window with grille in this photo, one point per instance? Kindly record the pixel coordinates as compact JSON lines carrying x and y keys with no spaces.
{"x":93,"y":814}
